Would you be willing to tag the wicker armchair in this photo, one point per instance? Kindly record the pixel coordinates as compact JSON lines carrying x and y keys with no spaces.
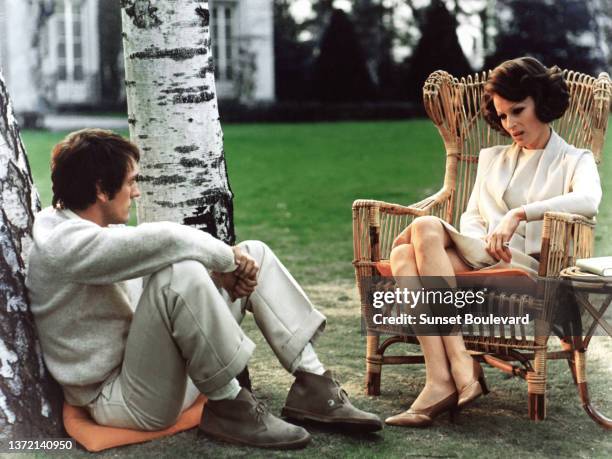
{"x":454,"y":107}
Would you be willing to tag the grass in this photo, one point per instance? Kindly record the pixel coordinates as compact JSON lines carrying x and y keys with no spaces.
{"x":294,"y":185}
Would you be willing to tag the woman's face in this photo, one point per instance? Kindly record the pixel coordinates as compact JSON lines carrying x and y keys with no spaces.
{"x":519,"y":119}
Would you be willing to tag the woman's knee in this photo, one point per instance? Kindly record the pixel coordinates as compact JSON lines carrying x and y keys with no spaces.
{"x":401,"y":256}
{"x":427,"y":230}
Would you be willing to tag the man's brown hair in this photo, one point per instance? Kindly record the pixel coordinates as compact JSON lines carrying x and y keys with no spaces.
{"x":86,"y":159}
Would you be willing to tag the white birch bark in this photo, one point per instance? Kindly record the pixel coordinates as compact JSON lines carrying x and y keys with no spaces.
{"x":28,"y":398}
{"x":173,"y":114}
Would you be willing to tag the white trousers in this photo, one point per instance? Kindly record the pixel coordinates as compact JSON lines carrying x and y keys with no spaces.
{"x":185,"y":339}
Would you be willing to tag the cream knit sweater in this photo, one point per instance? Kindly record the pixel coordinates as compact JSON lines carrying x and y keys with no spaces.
{"x":80,"y":302}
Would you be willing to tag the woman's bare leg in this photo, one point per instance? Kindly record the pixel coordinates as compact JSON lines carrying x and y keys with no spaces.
{"x":434,"y":255}
{"x":439,"y":382}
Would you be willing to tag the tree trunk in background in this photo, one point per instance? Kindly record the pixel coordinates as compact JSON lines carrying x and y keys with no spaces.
{"x":111,"y":73}
{"x":29,"y":399}
{"x":174,"y":117}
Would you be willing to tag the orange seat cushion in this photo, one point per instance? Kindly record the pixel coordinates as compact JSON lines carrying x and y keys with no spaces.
{"x":384,"y":268}
{"x":93,"y":437}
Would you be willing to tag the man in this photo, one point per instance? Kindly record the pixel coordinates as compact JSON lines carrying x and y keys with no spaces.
{"x":138,"y":366}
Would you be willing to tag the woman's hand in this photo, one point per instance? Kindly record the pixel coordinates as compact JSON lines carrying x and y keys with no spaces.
{"x":497,"y":240}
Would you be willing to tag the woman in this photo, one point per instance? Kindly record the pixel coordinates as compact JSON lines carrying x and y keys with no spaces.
{"x":502,"y":224}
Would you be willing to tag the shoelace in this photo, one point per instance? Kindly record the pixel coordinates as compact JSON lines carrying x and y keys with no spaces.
{"x":260,"y":408}
{"x":342,"y":394}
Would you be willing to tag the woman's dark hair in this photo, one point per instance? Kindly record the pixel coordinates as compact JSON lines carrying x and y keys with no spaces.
{"x":86,"y":159}
{"x":520,"y":78}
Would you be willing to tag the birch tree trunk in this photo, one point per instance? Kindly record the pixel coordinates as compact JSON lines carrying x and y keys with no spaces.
{"x":173,"y":115}
{"x":29,"y":399}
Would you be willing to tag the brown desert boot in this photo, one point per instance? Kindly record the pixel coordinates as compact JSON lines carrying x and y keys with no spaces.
{"x":246,"y":421}
{"x":320,"y":398}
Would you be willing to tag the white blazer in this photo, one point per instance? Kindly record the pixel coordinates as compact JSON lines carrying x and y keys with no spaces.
{"x":565,"y":180}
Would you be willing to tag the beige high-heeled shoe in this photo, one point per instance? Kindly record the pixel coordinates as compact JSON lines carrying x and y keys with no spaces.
{"x":473,"y":390}
{"x":424,"y":417}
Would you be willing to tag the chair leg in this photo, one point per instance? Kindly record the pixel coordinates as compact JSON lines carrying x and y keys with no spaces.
{"x":583,"y":392}
{"x":536,"y":387}
{"x":566,"y":345}
{"x":373,"y":365}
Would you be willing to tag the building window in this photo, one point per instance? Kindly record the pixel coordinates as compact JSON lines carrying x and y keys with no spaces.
{"x":223,"y":39}
{"x":69,"y":40}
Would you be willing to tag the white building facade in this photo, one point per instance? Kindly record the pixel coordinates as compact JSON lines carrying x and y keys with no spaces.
{"x":60,"y":62}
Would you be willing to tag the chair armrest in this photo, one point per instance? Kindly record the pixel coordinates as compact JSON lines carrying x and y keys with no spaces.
{"x":565,"y":237}
{"x":377,"y":223}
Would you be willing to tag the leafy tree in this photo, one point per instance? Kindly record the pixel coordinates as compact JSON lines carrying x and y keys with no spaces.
{"x":340,"y":71}
{"x":292,"y":57}
{"x":562,"y":33}
{"x":602,"y":10}
{"x":438,"y":49}
{"x":375,"y":28}
{"x":111,"y":73}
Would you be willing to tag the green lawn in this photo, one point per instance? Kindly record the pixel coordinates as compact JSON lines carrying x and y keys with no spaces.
{"x":294,"y":185}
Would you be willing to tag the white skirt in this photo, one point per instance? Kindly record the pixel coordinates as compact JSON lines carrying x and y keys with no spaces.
{"x":473,"y":252}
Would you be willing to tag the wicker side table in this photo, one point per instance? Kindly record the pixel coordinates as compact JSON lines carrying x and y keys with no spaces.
{"x":584,"y":285}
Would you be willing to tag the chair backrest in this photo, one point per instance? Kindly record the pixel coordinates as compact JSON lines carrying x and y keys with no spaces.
{"x":454,"y":105}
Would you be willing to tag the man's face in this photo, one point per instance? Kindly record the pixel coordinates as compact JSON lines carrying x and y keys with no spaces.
{"x":117,"y":210}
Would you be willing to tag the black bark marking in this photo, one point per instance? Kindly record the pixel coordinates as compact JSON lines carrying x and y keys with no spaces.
{"x":177,"y":54}
{"x":214,"y":214}
{"x":129,"y":83}
{"x":199,"y":181}
{"x":143,"y":136}
{"x":163,"y":180}
{"x":142,"y":13}
{"x":218,"y":162}
{"x":204,"y":96}
{"x":132,"y":121}
{"x":186,"y":148}
{"x":192,"y":162}
{"x":190,"y":120}
{"x":181,"y":91}
{"x":180,"y":74}
{"x":204,"y":14}
{"x":208,"y":68}
{"x":161,"y":165}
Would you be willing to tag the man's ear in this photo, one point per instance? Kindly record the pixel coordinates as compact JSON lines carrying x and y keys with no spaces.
{"x":101,"y":195}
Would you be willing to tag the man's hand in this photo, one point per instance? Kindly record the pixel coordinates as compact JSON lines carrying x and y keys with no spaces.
{"x":241,"y":282}
{"x":497,"y":240}
{"x":246,"y":266}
